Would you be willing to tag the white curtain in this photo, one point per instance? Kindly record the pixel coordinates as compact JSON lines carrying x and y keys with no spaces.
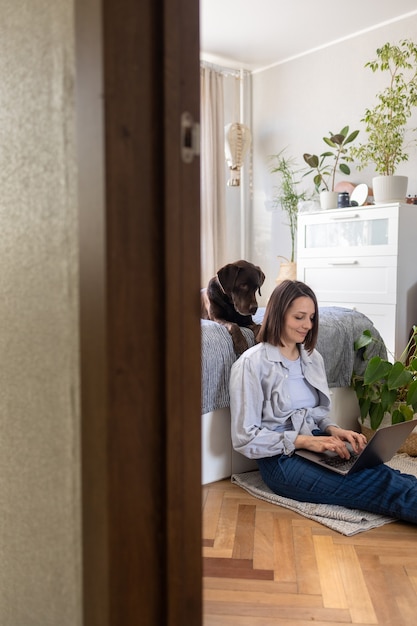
{"x":225,"y":211}
{"x":213,"y":194}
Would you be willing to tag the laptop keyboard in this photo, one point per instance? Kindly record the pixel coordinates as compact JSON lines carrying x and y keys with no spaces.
{"x":343,"y":464}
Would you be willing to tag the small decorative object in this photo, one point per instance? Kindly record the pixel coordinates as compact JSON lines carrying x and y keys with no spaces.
{"x":343,"y":199}
{"x":359,"y":194}
{"x":344,"y":185}
{"x":237,"y":143}
{"x":288,"y":196}
{"x":387,"y":392}
{"x":385,"y":123}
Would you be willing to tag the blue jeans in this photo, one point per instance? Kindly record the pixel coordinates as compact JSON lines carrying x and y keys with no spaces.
{"x":380,"y":490}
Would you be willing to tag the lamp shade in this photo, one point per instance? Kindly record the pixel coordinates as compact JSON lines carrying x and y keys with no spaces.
{"x":237,"y":143}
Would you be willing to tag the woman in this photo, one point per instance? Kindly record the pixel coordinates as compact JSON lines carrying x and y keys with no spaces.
{"x":280,"y":401}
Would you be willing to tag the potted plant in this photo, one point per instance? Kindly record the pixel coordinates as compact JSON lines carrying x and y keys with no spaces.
{"x":387,"y":391}
{"x":288,"y":197}
{"x":386,"y":122}
{"x":325,"y":171}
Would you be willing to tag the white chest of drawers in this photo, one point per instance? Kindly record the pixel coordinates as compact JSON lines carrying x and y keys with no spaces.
{"x":364,"y":258}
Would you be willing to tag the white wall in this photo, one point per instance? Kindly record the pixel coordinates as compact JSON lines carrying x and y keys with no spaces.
{"x":40,"y":573}
{"x":297,"y":103}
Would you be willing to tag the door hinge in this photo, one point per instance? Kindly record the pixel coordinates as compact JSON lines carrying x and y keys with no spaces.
{"x":190,"y":137}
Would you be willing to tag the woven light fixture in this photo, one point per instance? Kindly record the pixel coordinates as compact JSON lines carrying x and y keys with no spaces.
{"x":237,"y":143}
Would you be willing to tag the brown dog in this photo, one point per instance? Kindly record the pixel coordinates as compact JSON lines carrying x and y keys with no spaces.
{"x":230,"y":299}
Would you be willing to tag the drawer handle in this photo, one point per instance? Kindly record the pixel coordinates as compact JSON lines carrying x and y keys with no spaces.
{"x":347,"y":217}
{"x":344,"y":263}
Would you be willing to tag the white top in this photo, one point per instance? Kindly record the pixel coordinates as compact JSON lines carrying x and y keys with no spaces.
{"x":302,"y":394}
{"x":265,"y":420}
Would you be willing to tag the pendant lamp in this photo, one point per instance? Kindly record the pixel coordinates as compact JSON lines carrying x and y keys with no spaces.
{"x":237,"y":143}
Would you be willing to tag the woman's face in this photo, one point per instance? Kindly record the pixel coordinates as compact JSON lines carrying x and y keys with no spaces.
{"x":298,"y":320}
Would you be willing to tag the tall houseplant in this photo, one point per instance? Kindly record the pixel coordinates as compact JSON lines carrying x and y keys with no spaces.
{"x":287,"y":193}
{"x":288,"y":196}
{"x":386,"y":123}
{"x":328,"y":163}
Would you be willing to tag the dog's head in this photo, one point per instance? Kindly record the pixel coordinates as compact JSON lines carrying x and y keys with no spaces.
{"x":240,"y":281}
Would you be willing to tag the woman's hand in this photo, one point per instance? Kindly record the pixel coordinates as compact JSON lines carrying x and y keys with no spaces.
{"x":335,"y":442}
{"x":323,"y":444}
{"x":356,"y":440}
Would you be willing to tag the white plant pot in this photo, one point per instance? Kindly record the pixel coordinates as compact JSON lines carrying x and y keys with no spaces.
{"x":389,"y":189}
{"x":328,"y":199}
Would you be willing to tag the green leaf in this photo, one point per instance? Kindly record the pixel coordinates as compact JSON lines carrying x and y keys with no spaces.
{"x":337,"y":139}
{"x":352,"y":137}
{"x":376,"y":370}
{"x":406,"y":412}
{"x":330,"y":143}
{"x":376,"y":414}
{"x":388,"y":397}
{"x":413,"y":364}
{"x":397,"y":417}
{"x":311,"y":159}
{"x":398,"y":376}
{"x":344,"y":168}
{"x":412,"y":395}
{"x":364,"y":405}
{"x":364,"y":340}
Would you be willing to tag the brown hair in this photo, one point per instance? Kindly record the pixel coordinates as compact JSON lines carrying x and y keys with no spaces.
{"x":281,"y":299}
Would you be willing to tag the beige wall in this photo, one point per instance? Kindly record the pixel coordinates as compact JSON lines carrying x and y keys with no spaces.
{"x":39,"y":389}
{"x":297,"y":103}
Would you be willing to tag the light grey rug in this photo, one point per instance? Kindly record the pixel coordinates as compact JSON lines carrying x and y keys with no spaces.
{"x":345,"y":521}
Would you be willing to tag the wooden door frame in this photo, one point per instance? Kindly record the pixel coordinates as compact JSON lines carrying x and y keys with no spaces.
{"x":137,"y":71}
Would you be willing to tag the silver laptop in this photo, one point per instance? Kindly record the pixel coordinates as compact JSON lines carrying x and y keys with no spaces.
{"x":380,"y":449}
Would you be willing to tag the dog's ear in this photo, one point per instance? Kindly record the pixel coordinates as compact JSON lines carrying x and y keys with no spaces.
{"x":227,"y":277}
{"x":261,"y":277}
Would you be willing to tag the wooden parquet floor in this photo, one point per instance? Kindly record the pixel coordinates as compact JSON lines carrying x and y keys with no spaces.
{"x":264,"y":565}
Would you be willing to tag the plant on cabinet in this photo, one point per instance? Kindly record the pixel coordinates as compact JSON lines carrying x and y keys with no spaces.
{"x":386,"y":123}
{"x":328,"y":163}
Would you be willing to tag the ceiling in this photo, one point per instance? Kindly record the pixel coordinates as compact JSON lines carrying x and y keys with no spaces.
{"x":255,"y":34}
